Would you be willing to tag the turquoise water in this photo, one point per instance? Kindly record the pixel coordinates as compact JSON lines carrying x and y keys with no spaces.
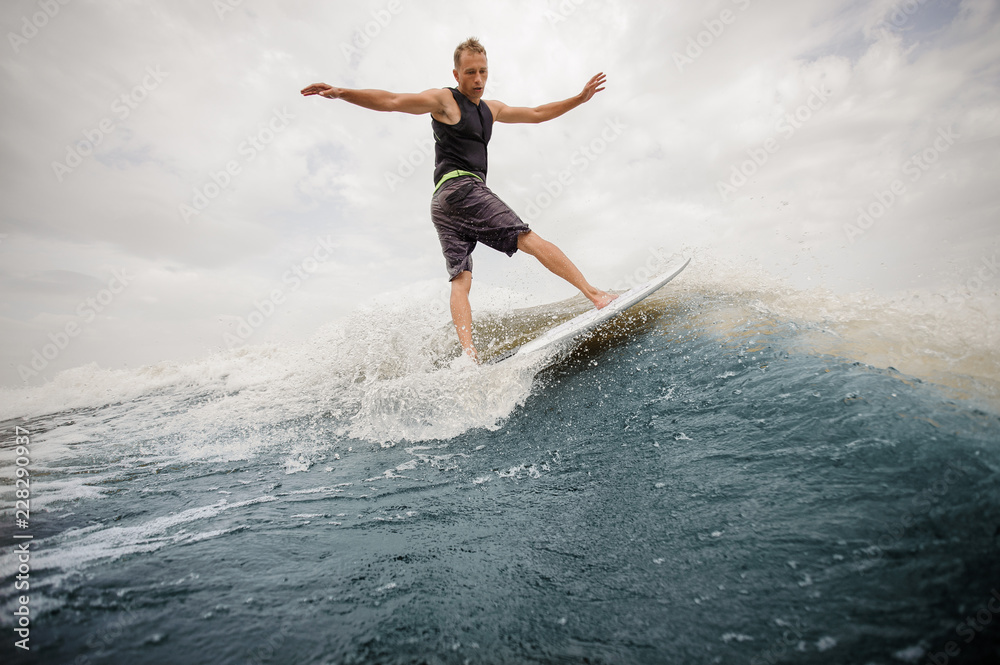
{"x":718,"y":478}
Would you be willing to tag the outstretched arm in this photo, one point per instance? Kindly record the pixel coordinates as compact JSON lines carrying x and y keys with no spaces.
{"x":428,"y":101}
{"x":513,"y":114}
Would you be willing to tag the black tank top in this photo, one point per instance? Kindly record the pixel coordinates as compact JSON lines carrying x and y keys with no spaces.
{"x":462,"y":146}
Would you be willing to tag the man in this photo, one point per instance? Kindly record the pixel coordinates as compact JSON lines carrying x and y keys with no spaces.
{"x":463,"y":208}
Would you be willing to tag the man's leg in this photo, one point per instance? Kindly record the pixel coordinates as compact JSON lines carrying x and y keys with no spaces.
{"x":553,"y":258}
{"x":461,"y":311}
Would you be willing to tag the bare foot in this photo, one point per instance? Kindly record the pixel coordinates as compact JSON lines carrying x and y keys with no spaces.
{"x":471,"y":352}
{"x":602,"y":299}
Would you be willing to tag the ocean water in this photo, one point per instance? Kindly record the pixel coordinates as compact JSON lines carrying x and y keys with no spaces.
{"x":734,"y":472}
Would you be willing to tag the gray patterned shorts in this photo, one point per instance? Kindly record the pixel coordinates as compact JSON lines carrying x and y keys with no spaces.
{"x":464,"y":212}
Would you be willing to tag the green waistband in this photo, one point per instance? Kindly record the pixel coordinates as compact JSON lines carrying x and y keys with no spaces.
{"x":454,"y":174}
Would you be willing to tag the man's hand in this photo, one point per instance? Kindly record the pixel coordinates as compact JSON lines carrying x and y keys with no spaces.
{"x":594,"y":86}
{"x":323,"y":90}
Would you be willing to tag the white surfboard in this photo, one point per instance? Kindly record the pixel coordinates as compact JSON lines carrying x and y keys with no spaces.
{"x":592,"y":318}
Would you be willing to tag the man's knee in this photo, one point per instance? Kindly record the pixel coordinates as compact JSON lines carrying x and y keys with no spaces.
{"x":462,"y":282}
{"x":528,"y":242}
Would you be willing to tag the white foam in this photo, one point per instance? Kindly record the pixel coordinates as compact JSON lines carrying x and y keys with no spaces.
{"x":826,"y":643}
{"x":517,"y":472}
{"x":297,"y":465}
{"x":76,"y":547}
{"x":910,"y":654}
{"x":949,"y":334}
{"x":388,"y":372}
{"x":385,"y":374}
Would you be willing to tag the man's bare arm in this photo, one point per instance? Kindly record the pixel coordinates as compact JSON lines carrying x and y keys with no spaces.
{"x":516,"y":114}
{"x":429,"y":101}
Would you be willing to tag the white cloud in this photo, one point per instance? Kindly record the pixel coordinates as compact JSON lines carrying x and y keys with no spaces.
{"x":228,"y":82}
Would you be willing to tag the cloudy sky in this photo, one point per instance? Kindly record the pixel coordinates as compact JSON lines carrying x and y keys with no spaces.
{"x":162,"y":178}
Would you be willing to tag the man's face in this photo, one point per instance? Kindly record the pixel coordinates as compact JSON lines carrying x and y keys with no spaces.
{"x":471,"y":75}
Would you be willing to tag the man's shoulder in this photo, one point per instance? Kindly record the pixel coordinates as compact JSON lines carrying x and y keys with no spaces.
{"x":495,"y":105}
{"x":451,"y":112}
{"x":445,"y":94}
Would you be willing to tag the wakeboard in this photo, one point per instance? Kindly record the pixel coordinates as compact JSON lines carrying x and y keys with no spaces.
{"x":590,"y":319}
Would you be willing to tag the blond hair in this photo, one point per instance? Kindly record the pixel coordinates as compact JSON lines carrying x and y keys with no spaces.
{"x":471,"y":45}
